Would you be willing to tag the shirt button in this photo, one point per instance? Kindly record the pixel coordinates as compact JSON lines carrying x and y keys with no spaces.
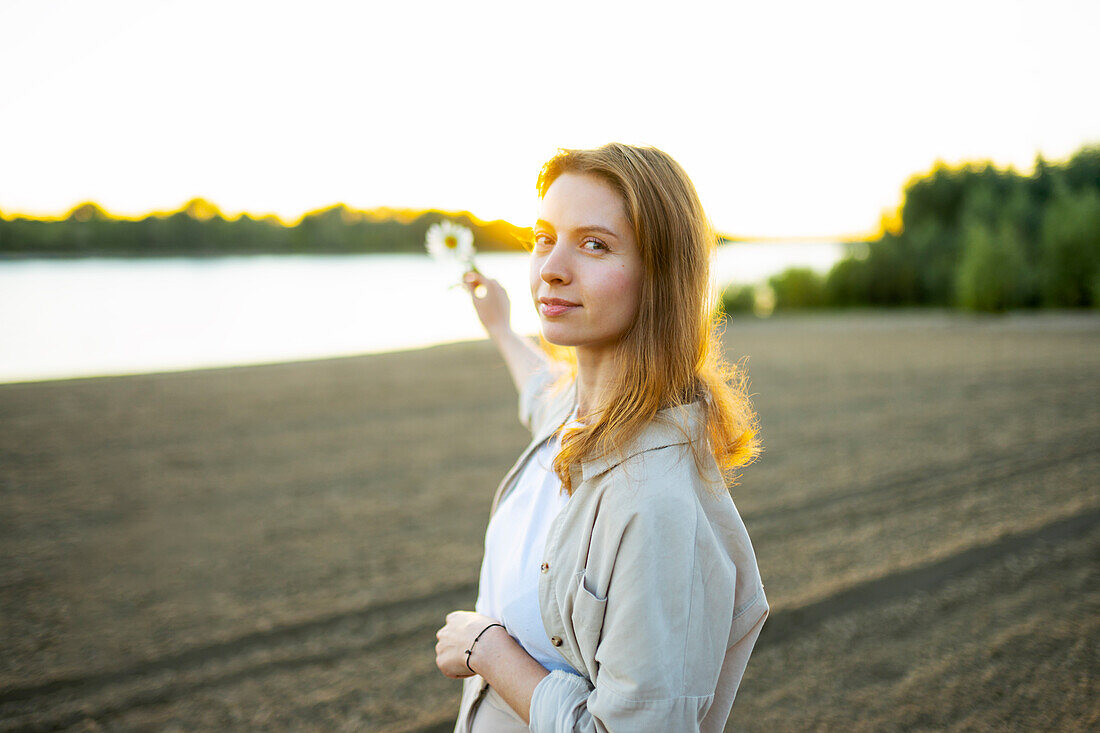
{"x":545,"y":567}
{"x":555,"y":640}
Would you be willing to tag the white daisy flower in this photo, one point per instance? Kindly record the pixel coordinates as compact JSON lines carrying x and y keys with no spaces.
{"x":451,"y":243}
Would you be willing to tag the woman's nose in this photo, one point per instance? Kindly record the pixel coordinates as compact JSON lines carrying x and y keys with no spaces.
{"x":555,"y":267}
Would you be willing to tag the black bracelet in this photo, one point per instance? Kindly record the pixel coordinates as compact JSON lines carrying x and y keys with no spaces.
{"x":471,"y":649}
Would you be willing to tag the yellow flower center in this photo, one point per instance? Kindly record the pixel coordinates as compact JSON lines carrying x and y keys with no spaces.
{"x":451,"y":242}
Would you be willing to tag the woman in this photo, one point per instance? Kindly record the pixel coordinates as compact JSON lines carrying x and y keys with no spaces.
{"x":619,"y":589}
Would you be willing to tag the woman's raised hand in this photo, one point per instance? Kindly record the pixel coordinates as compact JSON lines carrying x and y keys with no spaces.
{"x":490,"y":300}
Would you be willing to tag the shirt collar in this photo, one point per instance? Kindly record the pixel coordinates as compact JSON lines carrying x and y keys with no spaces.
{"x":678,"y":425}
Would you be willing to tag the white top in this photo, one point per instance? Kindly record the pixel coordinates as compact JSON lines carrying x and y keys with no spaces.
{"x":515,"y":542}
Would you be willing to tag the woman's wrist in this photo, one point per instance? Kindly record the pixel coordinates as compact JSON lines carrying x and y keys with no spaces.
{"x":477,"y":638}
{"x":508,"y":668}
{"x":489,"y":648}
{"x":500,"y":331}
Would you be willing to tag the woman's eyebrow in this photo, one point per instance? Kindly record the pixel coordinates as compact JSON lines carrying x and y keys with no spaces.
{"x":584,"y":228}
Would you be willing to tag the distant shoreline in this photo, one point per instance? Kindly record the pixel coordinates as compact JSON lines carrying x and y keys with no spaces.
{"x":192,"y":255}
{"x":865,"y":319}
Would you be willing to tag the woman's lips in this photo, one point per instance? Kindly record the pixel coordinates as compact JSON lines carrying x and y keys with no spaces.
{"x":551,"y":307}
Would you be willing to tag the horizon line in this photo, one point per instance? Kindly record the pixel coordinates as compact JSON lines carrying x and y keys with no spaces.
{"x":397,"y":213}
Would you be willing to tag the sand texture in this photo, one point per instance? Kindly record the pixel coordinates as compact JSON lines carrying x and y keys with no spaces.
{"x":273,"y":548}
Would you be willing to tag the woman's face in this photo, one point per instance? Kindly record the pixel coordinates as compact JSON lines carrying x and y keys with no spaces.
{"x":586,"y":270}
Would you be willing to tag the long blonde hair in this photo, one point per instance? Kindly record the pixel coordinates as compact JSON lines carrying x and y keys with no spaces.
{"x":671,"y":354}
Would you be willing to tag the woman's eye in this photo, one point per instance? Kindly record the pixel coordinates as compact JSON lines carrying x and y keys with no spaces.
{"x":542,"y":240}
{"x":595,"y":245}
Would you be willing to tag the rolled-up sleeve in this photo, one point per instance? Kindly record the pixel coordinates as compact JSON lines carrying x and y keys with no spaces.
{"x":564,"y":702}
{"x":559,"y":703}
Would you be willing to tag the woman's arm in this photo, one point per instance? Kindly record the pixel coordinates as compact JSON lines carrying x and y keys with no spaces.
{"x":493,"y":308}
{"x":651,"y":612}
{"x":497,"y":657}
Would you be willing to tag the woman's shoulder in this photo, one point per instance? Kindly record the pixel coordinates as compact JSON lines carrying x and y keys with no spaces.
{"x":669,"y":476}
{"x":653,"y":485}
{"x":660,"y":460}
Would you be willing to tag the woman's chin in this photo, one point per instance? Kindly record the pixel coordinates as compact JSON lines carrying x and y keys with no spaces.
{"x":557,"y":341}
{"x":558,"y":336}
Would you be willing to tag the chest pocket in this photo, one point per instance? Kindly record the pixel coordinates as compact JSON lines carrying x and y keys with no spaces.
{"x":588,"y":608}
{"x":588,"y":616}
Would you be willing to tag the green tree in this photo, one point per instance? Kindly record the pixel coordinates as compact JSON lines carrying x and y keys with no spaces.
{"x":847,"y":282}
{"x":738,"y":299}
{"x":993,"y":274}
{"x":1070,"y":248}
{"x":798,"y":287}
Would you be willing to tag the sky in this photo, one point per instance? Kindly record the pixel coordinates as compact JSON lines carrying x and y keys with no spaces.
{"x":794,"y":119}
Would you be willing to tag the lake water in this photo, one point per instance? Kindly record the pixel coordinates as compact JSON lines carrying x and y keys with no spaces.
{"x":90,"y":317}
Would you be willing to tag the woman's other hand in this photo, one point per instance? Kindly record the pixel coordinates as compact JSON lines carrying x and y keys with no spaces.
{"x":456,"y":637}
{"x":490,"y":300}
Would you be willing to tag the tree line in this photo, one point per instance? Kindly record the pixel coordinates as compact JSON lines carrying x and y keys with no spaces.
{"x":970,"y":236}
{"x":198,"y":228}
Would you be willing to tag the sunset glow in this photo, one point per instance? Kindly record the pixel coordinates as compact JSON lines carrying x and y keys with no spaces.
{"x":793,"y":118}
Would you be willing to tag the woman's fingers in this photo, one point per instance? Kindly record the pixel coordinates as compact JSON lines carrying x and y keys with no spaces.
{"x":489,"y":299}
{"x":477,"y":284}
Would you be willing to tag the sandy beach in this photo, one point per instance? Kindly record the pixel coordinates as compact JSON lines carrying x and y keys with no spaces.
{"x":274,"y":547}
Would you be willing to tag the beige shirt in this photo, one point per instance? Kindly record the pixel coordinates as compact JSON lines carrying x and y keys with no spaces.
{"x":649,"y":588}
